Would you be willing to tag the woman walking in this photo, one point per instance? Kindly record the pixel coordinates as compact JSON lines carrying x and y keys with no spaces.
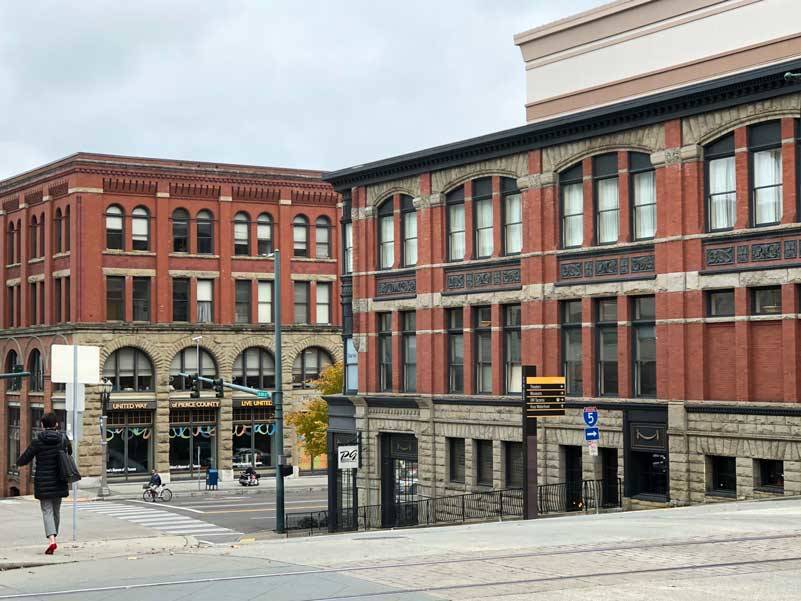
{"x":48,"y":486}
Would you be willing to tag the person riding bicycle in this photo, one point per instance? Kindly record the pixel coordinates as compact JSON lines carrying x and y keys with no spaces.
{"x":155,"y":483}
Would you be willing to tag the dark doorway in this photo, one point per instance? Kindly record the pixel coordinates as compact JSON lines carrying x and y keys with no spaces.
{"x":399,"y":483}
{"x":647,"y":459}
{"x":609,"y":478}
{"x":573,"y":478}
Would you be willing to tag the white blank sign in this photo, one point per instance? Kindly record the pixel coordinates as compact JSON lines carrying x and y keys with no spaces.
{"x":61,"y":368}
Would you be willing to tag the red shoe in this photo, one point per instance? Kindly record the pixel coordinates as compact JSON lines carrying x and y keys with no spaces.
{"x":51,"y":549}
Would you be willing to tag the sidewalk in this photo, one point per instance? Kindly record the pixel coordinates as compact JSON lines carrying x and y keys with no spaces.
{"x":197,"y":488}
{"x":99,"y":537}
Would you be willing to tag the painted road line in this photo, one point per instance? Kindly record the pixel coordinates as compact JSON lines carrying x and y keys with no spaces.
{"x":169,"y":506}
{"x":264,"y":504}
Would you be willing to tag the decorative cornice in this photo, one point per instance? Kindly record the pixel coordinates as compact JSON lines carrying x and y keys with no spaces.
{"x":536,"y":181}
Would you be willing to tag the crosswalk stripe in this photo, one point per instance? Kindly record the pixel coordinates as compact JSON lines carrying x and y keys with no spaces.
{"x":153,"y":517}
{"x":195,"y":530}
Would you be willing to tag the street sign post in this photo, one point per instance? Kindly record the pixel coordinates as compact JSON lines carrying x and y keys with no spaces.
{"x":543,"y":396}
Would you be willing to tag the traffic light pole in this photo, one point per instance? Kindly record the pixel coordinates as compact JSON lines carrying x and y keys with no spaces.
{"x":278,"y":401}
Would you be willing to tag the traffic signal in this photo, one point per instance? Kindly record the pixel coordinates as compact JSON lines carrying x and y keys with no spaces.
{"x":218,"y":388}
{"x":285,"y":470}
{"x":193,"y":383}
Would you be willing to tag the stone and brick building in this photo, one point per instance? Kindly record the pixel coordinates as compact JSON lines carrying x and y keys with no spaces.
{"x":140,"y":257}
{"x":641,"y":235}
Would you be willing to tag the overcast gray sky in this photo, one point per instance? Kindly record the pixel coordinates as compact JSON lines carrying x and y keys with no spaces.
{"x":311,"y":84}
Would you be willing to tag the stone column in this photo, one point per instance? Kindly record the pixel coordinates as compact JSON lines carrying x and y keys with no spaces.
{"x":679,"y":485}
{"x":745,"y":477}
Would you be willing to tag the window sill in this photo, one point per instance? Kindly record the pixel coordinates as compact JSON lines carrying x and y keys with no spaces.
{"x":35,"y":260}
{"x":721,"y":494}
{"x":129,"y":253}
{"x":61,"y":255}
{"x":187,"y":255}
{"x":12,"y":265}
{"x":250,"y":257}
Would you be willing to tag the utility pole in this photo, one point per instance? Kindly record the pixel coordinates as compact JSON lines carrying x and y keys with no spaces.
{"x":278,"y":402}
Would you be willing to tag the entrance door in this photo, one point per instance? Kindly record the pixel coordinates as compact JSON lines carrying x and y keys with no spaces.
{"x":398,"y":480}
{"x":609,"y":486}
{"x":573,"y":478}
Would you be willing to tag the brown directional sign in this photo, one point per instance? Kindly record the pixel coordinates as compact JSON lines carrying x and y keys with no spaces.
{"x":544,"y":396}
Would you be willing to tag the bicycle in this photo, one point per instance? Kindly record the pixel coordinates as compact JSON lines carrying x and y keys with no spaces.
{"x":164,"y":494}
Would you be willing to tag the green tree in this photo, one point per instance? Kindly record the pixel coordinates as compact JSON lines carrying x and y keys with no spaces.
{"x":311,"y":422}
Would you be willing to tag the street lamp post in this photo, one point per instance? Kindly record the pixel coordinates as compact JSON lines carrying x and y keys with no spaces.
{"x":278,"y":401}
{"x":105,"y":395}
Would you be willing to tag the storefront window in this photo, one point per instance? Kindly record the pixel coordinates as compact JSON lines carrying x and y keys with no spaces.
{"x":252,"y":437}
{"x":128,"y":436}
{"x":193,"y":441}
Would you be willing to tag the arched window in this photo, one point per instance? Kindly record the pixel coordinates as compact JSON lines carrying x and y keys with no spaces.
{"x":180,"y":231}
{"x":18,"y":242}
{"x":57,"y":219}
{"x":114,"y":217}
{"x":571,"y":188}
{"x":241,"y":234}
{"x":140,"y":228}
{"x":643,"y":192}
{"x":67,"y":229}
{"x":300,"y":236}
{"x":11,"y":259}
{"x":482,"y":218}
{"x":205,"y":233}
{"x":512,"y":217}
{"x":255,"y":367}
{"x":308,"y":365}
{"x":607,"y":198}
{"x":41,"y":235}
{"x":36,"y":381}
{"x":11,"y":365}
{"x":409,"y":231}
{"x":34,"y":245}
{"x":455,"y":202}
{"x":186,"y":361}
{"x":129,"y":370}
{"x":322,"y":237}
{"x":264,"y":234}
{"x":386,"y":234}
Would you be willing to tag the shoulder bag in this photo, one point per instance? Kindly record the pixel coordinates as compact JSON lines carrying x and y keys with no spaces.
{"x":67,"y":468}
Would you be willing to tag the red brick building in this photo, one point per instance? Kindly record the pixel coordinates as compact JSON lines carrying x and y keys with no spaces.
{"x":645,"y":245}
{"x":139,"y":257}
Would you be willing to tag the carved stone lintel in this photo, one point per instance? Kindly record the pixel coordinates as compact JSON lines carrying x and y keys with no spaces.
{"x":420,"y":202}
{"x":436,"y":199}
{"x":369,"y":211}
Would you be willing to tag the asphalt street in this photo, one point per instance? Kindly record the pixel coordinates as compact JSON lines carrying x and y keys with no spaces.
{"x":218,"y":519}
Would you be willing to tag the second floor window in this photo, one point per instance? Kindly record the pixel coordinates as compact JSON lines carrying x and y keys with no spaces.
{"x":205,"y":301}
{"x":140,"y":229}
{"x":241,"y":235}
{"x":643,"y":182}
{"x":301,"y":302}
{"x":141,"y":299}
{"x":409,"y":328}
{"x":265,"y":302}
{"x":512,"y":217}
{"x":482,"y":217}
{"x":322,"y":238}
{"x":456,"y":242}
{"x":766,"y":301}
{"x":606,"y":195}
{"x":386,"y":235}
{"x":300,"y":236}
{"x":482,"y":324}
{"x":347,"y":247}
{"x":180,"y":231}
{"x":606,"y":331}
{"x":205,"y":233}
{"x":264,"y":234}
{"x":644,"y":342}
{"x":765,"y":145}
{"x":511,"y":349}
{"x":384,"y":321}
{"x":571,"y":347}
{"x":571,"y":187}
{"x":409,"y":227}
{"x":243,"y":291}
{"x":115,"y":298}
{"x":180,"y":299}
{"x":454,"y":322}
{"x":114,"y":237}
{"x":57,"y":225}
{"x":722,"y":184}
{"x":323,"y":303}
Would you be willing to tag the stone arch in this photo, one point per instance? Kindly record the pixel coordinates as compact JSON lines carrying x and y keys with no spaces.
{"x":509,"y":166}
{"x":591,"y":152}
{"x":212,"y":347}
{"x":378,"y":192}
{"x":152,"y":351}
{"x":289,"y":355}
{"x":35,"y":344}
{"x":242,"y":343}
{"x":453,"y":184}
{"x":389,"y":193}
{"x":727,"y":128}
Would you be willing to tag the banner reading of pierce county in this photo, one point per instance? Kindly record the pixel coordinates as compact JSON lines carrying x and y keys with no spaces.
{"x":544,"y":396}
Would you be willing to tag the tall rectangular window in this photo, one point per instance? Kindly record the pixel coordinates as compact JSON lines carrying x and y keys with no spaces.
{"x":409,"y":331}
{"x":455,"y":324}
{"x":347,"y":248}
{"x":644,"y":342}
{"x":571,"y":187}
{"x":765,"y":146}
{"x":571,"y":348}
{"x":482,"y":217}
{"x":511,"y":349}
{"x":606,"y":343}
{"x":409,"y":225}
{"x":766,"y":301}
{"x":180,"y":299}
{"x":265,"y":302}
{"x":10,"y":312}
{"x":115,"y":298}
{"x":205,"y":301}
{"x":643,"y":182}
{"x":141,"y":299}
{"x":323,"y":302}
{"x":456,"y":460}
{"x":33,"y":299}
{"x":243,"y":290}
{"x":386,"y":235}
{"x":241,"y":235}
{"x":512,"y":217}
{"x":606,"y":197}
{"x":721,"y":184}
{"x":351,"y":367}
{"x":482,"y":327}
{"x":484,"y":467}
{"x":514,"y":463}
{"x":301,"y":302}
{"x":456,"y":242}
{"x":67,"y":301}
{"x":57,"y":300}
{"x":384,"y":351}
{"x":41,"y":291}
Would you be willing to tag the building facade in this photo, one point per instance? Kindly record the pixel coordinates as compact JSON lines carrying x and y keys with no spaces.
{"x":163,"y":265}
{"x":647,"y":247}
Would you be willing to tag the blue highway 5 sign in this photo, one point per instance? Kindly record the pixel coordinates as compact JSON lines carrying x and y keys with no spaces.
{"x":592,"y":434}
{"x":591,"y":416}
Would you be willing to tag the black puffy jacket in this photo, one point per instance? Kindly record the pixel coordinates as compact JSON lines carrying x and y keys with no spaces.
{"x":47,"y":483}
